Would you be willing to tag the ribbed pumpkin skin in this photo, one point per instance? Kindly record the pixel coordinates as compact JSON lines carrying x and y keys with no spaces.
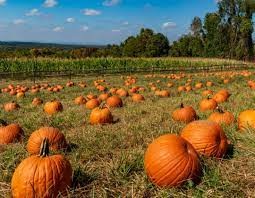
{"x":222,"y":118}
{"x":186,"y":114}
{"x":246,"y":119}
{"x":101,"y":116}
{"x":80,"y":100}
{"x":208,"y":104}
{"x":11,"y":106}
{"x":138,"y":98}
{"x":10,"y":134}
{"x":206,"y":137}
{"x":219,"y":98}
{"x":41,"y":177}
{"x":114,"y":101}
{"x":56,"y":139}
{"x":53,"y":107}
{"x":171,"y":161}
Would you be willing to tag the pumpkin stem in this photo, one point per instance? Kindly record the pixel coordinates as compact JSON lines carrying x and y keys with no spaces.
{"x":208,"y":97}
{"x":220,"y":110}
{"x":3,"y":123}
{"x":182,"y":106}
{"x":45,"y":148}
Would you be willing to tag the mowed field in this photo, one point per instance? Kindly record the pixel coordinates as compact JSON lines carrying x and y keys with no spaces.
{"x":108,"y":160}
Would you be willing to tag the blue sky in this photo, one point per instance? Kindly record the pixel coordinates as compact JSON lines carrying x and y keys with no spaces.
{"x":96,"y":21}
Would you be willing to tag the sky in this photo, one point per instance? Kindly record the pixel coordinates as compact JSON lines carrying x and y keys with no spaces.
{"x":96,"y":21}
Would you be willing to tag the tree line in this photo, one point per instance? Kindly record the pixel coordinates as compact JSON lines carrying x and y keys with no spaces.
{"x":226,"y":33}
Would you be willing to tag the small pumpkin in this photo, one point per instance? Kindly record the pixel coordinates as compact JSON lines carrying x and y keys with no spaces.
{"x":206,"y":137}
{"x":10,"y":133}
{"x":208,"y":104}
{"x":101,"y":115}
{"x":37,"y":101}
{"x":122,"y":92}
{"x":114,"y":101}
{"x":42,"y":175}
{"x":11,"y":106}
{"x":103,"y":96}
{"x":221,"y":117}
{"x":53,"y":107}
{"x":56,"y":139}
{"x":80,"y":100}
{"x":138,"y":98}
{"x":93,"y":103}
{"x":184,"y":114}
{"x":171,"y":161}
{"x":246,"y":119}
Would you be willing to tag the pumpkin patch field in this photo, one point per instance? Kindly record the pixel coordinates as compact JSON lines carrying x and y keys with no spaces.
{"x":139,"y":135}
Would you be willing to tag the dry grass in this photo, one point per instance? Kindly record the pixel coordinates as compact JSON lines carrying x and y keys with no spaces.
{"x":108,"y":160}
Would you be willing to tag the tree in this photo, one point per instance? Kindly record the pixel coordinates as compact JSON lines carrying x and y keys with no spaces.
{"x":196,"y":27}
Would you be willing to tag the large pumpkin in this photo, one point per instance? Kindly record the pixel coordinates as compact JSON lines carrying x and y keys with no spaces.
{"x":42,"y":175}
{"x":171,"y":161}
{"x":207,"y":138}
{"x":246,"y":119}
{"x":53,"y":107}
{"x":56,"y":139}
{"x":10,"y":133}
{"x":208,"y":104}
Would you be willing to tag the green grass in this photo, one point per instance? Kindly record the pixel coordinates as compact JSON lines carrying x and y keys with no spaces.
{"x":108,"y":160}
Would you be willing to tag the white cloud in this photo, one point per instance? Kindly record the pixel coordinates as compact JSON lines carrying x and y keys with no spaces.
{"x":125,"y":23}
{"x":33,"y":12}
{"x":116,"y":30}
{"x":85,"y":28}
{"x":2,"y":2}
{"x":58,"y":29}
{"x":50,"y":3}
{"x":168,"y":25}
{"x":70,"y":20}
{"x":111,"y":2}
{"x":91,"y":12}
{"x":19,"y":21}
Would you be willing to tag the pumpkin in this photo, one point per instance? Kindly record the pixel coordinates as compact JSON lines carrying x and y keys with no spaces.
{"x":91,"y":96}
{"x":246,"y":119}
{"x":138,"y":98}
{"x":56,"y":139}
{"x":93,"y":103}
{"x":207,"y":93}
{"x":219,"y":98}
{"x":184,"y":114}
{"x":171,"y":161}
{"x":20,"y":95}
{"x":122,"y":92}
{"x":222,"y":117}
{"x":42,"y":175}
{"x":209,"y":84}
{"x":207,"y":138}
{"x":101,"y":115}
{"x":103,"y":96}
{"x":11,"y":106}
{"x":10,"y":133}
{"x":53,"y":107}
{"x":37,"y":102}
{"x":208,"y":104}
{"x":80,"y":100}
{"x":199,"y":85}
{"x":114,"y":101}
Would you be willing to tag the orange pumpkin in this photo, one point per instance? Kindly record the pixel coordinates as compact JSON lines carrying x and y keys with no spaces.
{"x":80,"y":100}
{"x":103,"y":96}
{"x":53,"y":107}
{"x":42,"y":175}
{"x":37,"y":101}
{"x":208,"y":104}
{"x":122,"y":92}
{"x":207,"y":138}
{"x":138,"y":98}
{"x":246,"y":119}
{"x":114,"y":101}
{"x":93,"y":103}
{"x":10,"y":133}
{"x":184,"y":114}
{"x":222,"y":117}
{"x":11,"y":106}
{"x":101,"y":115}
{"x":56,"y":139}
{"x":171,"y":161}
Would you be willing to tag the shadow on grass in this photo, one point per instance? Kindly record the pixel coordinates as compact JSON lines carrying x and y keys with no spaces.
{"x":230,"y":152}
{"x":82,"y":179}
{"x":71,"y":147}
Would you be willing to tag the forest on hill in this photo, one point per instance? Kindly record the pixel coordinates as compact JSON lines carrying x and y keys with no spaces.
{"x":226,"y":33}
